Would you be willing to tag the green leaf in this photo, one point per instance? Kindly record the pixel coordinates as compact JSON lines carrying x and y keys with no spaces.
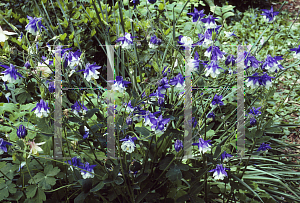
{"x":216,"y":10}
{"x":93,"y":32}
{"x":227,"y":8}
{"x":142,"y":195}
{"x":71,"y":36}
{"x":227,"y":15}
{"x":161,"y":6}
{"x":81,"y":197}
{"x":119,"y":180}
{"x":91,"y":112}
{"x":62,"y":36}
{"x":30,"y":191}
{"x":210,"y":2}
{"x":40,"y":196}
{"x":174,"y":173}
{"x":143,"y":131}
{"x":50,"y":171}
{"x":98,"y":187}
{"x":141,"y":177}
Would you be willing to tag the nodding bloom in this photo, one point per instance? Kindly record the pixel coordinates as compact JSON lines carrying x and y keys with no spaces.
{"x":194,"y":63}
{"x":51,"y":87}
{"x":34,"y":147}
{"x":217,"y":100}
{"x":90,"y":71}
{"x":3,"y":34}
{"x":86,"y":132}
{"x":154,"y":42}
{"x":89,"y":168}
{"x":159,"y":124}
{"x":204,"y":40}
{"x":252,"y":121}
{"x":215,"y":53}
{"x":128,"y":144}
{"x":34,"y":26}
{"x":151,"y":1}
{"x":10,"y":74}
{"x":41,"y":109}
{"x":255,"y":81}
{"x":178,"y":145}
{"x":271,"y":63}
{"x":119,"y":84}
{"x":211,"y":115}
{"x":27,"y":64}
{"x":74,"y":162}
{"x":74,"y":59}
{"x":185,"y":41}
{"x":139,"y":114}
{"x":254,"y":111}
{"x":129,"y":107}
{"x":225,"y":156}
{"x":126,"y":41}
{"x":210,"y":22}
{"x":219,"y":172}
{"x":203,"y":145}
{"x":178,"y":82}
{"x":269,"y":15}
{"x":158,"y":95}
{"x":163,"y":84}
{"x":3,"y":146}
{"x":148,"y":116}
{"x":21,"y":131}
{"x":230,"y":59}
{"x":212,"y":69}
{"x":78,"y":107}
{"x":264,"y":147}
{"x":197,"y":15}
{"x":229,"y":34}
{"x":128,"y":120}
{"x":297,"y":52}
{"x":193,"y":121}
{"x":250,"y":61}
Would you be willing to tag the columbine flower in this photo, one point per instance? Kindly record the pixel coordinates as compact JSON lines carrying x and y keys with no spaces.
{"x":43,"y":67}
{"x":230,"y":59}
{"x":217,"y":100}
{"x":211,"y":115}
{"x":185,"y":41}
{"x":20,"y":37}
{"x":197,"y":15}
{"x":119,"y":84}
{"x":254,"y":111}
{"x":10,"y":74}
{"x":163,"y":85}
{"x":215,"y":53}
{"x":263,"y":147}
{"x":210,"y":22}
{"x":51,"y":87}
{"x":159,"y":124}
{"x":126,"y":41}
{"x":34,"y":147}
{"x":74,"y":162}
{"x":178,"y":82}
{"x":297,"y":52}
{"x":78,"y":107}
{"x":86,"y":132}
{"x":21,"y":132}
{"x":91,"y":71}
{"x":151,"y":1}
{"x":148,"y":116}
{"x":3,"y":146}
{"x":128,"y":144}
{"x":89,"y":168}
{"x":219,"y":172}
{"x":204,"y":40}
{"x":178,"y":145}
{"x":41,"y":109}
{"x":225,"y":156}
{"x":266,"y":80}
{"x":203,"y":145}
{"x":74,"y":59}
{"x":272,"y":64}
{"x":212,"y":69}
{"x":27,"y":65}
{"x":255,"y":81}
{"x":32,"y":25}
{"x":128,"y":120}
{"x":154,"y":42}
{"x":135,"y":2}
{"x":158,"y":95}
{"x":194,"y":63}
{"x":269,"y":15}
{"x":252,"y":121}
{"x":250,"y":61}
{"x":129,"y":107}
{"x":3,"y":34}
{"x":229,"y":34}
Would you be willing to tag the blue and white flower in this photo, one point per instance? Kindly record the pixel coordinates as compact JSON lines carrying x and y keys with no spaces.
{"x":178,"y":82}
{"x":163,"y":85}
{"x":128,"y":144}
{"x":230,"y":59}
{"x":269,"y":15}
{"x":217,"y":100}
{"x":126,"y":41}
{"x":209,"y":22}
{"x":250,"y":61}
{"x":225,"y":157}
{"x":90,"y":71}
{"x":86,"y":133}
{"x":264,"y":147}
{"x":159,"y":124}
{"x":197,"y":15}
{"x":271,"y":63}
{"x":119,"y":84}
{"x":203,"y":145}
{"x":41,"y":109}
{"x":215,"y":53}
{"x":154,"y":42}
{"x":219,"y":172}
{"x":21,"y":132}
{"x":10,"y":74}
{"x":78,"y":107}
{"x":194,"y":63}
{"x":89,"y":168}
{"x":34,"y":26}
{"x":212,"y":69}
{"x":184,"y":41}
{"x":297,"y":52}
{"x":229,"y":34}
{"x":3,"y":146}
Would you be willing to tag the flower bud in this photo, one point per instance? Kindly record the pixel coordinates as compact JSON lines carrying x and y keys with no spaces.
{"x":21,"y":132}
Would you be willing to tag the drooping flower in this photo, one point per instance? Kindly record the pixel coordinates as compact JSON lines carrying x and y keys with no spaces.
{"x":129,"y":107}
{"x":263,"y":147}
{"x":163,"y":84}
{"x":219,"y":172}
{"x":128,"y":120}
{"x":197,"y":15}
{"x":230,"y":59}
{"x":178,"y":145}
{"x":250,"y":61}
{"x":212,"y":69}
{"x":211,"y":115}
{"x":158,"y":95}
{"x":21,"y":131}
{"x":34,"y":26}
{"x":126,"y":41}
{"x":269,"y":15}
{"x":74,"y":162}
{"x":148,"y":116}
{"x":255,"y":81}
{"x":297,"y":52}
{"x":272,"y":64}
{"x":3,"y":34}
{"x":178,"y":82}
{"x":119,"y":84}
{"x":252,"y":121}
{"x":159,"y":124}
{"x":229,"y":34}
{"x":43,"y":67}
{"x":74,"y":59}
{"x":203,"y":145}
{"x":3,"y":146}
{"x":215,"y":53}
{"x":217,"y":100}
{"x":89,"y":168}
{"x":51,"y":87}
{"x":90,"y":71}
{"x":27,"y":65}
{"x":184,"y":41}
{"x":41,"y":109}
{"x":86,"y":133}
{"x":254,"y":111}
{"x":128,"y":144}
{"x":10,"y":74}
{"x":78,"y":107}
{"x":34,"y":147}
{"x":151,"y":1}
{"x":154,"y":42}
{"x":209,"y":22}
{"x":225,"y":156}
{"x":194,"y":63}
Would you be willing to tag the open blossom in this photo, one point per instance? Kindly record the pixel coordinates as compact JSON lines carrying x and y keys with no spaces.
{"x":78,"y":107}
{"x":264,"y":147}
{"x":88,"y":170}
{"x":43,"y":67}
{"x":3,"y":34}
{"x":297,"y":52}
{"x":10,"y":74}
{"x":159,"y":124}
{"x":203,"y":145}
{"x":225,"y":156}
{"x":128,"y":144}
{"x":34,"y":147}
{"x":126,"y":41}
{"x":269,"y":15}
{"x":212,"y":69}
{"x":3,"y":146}
{"x":197,"y":15}
{"x":219,"y":172}
{"x":34,"y":26}
{"x":271,"y":63}
{"x":209,"y":22}
{"x":154,"y":42}
{"x":184,"y":41}
{"x":119,"y":84}
{"x":215,"y":53}
{"x":90,"y":71}
{"x":178,"y":82}
{"x":41,"y":109}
